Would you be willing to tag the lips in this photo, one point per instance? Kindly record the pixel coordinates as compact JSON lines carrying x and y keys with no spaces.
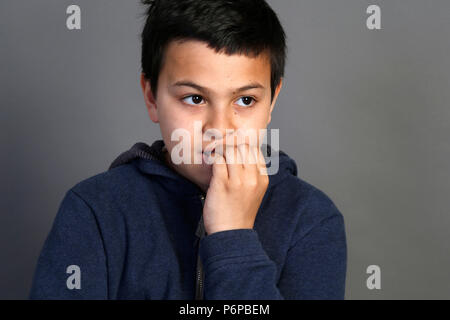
{"x":209,"y":152}
{"x":206,"y":155}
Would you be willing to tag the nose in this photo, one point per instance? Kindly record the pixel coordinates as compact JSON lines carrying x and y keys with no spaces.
{"x":218,"y":121}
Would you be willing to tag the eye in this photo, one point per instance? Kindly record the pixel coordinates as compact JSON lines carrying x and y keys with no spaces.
{"x":247,"y":101}
{"x":193,"y":99}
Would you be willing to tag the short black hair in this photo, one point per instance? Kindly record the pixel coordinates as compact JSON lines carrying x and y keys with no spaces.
{"x":247,"y":27}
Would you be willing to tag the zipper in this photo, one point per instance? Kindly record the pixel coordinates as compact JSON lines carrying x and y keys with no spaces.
{"x":200,"y":233}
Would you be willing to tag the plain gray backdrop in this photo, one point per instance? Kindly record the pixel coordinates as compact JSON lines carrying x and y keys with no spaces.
{"x":365,"y":114}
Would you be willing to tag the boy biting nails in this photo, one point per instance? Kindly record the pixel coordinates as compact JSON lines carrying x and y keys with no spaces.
{"x":159,"y":224}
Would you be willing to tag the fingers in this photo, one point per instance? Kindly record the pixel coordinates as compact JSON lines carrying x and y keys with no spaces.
{"x":219,"y":168}
{"x":255,"y":161}
{"x":239,"y":162}
{"x":234,"y":163}
{"x":227,"y":164}
{"x":260,"y":161}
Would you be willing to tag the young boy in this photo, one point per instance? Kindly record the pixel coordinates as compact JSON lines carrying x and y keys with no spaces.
{"x":154,"y":228}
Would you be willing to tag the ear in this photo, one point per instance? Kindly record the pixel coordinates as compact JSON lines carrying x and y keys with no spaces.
{"x":276,"y":93}
{"x":150,"y":101}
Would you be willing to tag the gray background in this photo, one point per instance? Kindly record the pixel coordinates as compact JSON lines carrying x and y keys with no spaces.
{"x":364,"y":113}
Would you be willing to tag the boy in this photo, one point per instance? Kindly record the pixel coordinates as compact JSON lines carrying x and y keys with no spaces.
{"x":152,"y":227}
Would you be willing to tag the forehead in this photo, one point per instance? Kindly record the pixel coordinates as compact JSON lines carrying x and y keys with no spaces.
{"x":192,"y":59}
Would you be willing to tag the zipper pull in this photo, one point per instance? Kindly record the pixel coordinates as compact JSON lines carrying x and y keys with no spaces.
{"x":200,"y":232}
{"x":202,"y":199}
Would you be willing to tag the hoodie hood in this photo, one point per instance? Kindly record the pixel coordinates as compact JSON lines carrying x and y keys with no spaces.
{"x":150,"y":160}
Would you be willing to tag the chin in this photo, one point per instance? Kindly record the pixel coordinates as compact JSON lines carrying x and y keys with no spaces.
{"x":202,"y":176}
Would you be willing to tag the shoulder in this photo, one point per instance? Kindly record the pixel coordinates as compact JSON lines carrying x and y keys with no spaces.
{"x":107,"y":183}
{"x":107,"y":195}
{"x":302,"y":193}
{"x":308,"y":204}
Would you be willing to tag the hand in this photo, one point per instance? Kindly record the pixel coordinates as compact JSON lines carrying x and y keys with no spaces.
{"x":236,"y":189}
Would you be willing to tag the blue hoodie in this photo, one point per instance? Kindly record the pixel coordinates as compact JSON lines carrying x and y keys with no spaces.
{"x":136,"y":231}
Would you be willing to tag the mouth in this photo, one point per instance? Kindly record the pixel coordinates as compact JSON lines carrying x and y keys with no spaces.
{"x":208,"y":152}
{"x":206,"y":156}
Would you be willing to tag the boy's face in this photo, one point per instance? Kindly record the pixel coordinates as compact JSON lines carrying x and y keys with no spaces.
{"x":198,"y":84}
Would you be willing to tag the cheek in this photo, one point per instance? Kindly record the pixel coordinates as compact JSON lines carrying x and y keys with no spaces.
{"x":257,"y":119}
{"x":170,"y":117}
{"x":175,"y":120}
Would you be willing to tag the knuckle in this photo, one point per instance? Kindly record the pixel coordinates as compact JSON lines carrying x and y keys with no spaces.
{"x":237,"y":183}
{"x":252,"y":183}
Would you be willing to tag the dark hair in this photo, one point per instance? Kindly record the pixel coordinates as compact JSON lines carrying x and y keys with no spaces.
{"x":247,"y":27}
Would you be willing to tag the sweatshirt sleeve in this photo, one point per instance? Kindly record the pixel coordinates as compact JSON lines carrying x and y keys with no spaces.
{"x":72,"y":263}
{"x":237,"y":266}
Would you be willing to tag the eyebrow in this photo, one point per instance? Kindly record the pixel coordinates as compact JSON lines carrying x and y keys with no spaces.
{"x":253,"y":85}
